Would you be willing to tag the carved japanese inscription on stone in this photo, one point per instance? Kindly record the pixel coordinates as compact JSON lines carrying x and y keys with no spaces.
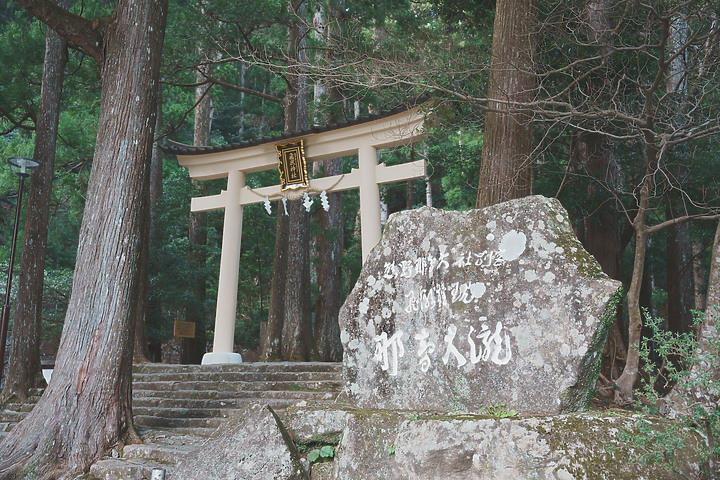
{"x":457,"y":311}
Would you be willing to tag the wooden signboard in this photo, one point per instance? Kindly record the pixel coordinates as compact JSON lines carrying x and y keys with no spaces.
{"x":184,"y":329}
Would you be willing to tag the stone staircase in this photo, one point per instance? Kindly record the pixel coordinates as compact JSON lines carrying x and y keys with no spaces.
{"x":177,"y":407}
{"x":12,"y":413}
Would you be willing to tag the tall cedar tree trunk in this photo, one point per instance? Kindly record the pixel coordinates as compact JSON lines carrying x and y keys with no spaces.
{"x":602,"y":228}
{"x":601,"y":234}
{"x":699,"y":274}
{"x":706,"y":372}
{"x":193,"y":349}
{"x":271,"y":342}
{"x":627,"y":379}
{"x":330,"y":247}
{"x":506,"y":168}
{"x":86,"y":409}
{"x":330,"y":240}
{"x":680,"y":279}
{"x":288,"y":334}
{"x":141,"y":350}
{"x":23,"y":369}
{"x":148,"y":308}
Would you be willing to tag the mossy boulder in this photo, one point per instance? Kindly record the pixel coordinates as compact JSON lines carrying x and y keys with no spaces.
{"x":456,"y":311}
{"x":562,"y":447}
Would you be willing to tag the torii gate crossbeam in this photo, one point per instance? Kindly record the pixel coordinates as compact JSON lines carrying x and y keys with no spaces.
{"x":363,"y":138}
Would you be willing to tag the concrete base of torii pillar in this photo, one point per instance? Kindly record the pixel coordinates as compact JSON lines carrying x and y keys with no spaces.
{"x":214,"y":358}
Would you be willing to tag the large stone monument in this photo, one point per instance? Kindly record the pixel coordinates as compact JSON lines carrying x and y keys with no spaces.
{"x":459,"y":311}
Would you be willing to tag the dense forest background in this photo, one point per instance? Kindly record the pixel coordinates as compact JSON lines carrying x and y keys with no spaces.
{"x":593,"y":77}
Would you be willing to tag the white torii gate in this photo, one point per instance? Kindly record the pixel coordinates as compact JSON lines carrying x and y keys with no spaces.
{"x":363,"y":138}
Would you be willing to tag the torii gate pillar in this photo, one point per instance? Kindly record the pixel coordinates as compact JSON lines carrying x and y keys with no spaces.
{"x":226,"y":305}
{"x":363,"y":137}
{"x":370,"y":224}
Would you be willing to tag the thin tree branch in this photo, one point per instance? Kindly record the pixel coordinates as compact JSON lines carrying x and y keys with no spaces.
{"x":680,"y":220}
{"x":231,"y":86}
{"x":81,"y":32}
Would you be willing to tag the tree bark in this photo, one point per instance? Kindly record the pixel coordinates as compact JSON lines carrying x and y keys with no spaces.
{"x":288,"y":333}
{"x":297,"y":338}
{"x":700,"y":389}
{"x":271,"y":343}
{"x":86,"y":409}
{"x":141,"y":348}
{"x":330,"y":240}
{"x":506,"y":168}
{"x":627,"y":379}
{"x":680,"y":280}
{"x":24,"y":370}
{"x":699,"y":275}
{"x":193,"y":349}
{"x":602,"y":230}
{"x":330,"y":247}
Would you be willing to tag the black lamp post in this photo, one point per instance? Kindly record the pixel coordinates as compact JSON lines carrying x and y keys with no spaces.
{"x":25,"y":166}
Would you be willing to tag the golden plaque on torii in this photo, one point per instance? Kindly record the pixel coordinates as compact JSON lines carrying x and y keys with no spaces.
{"x":292,"y":166}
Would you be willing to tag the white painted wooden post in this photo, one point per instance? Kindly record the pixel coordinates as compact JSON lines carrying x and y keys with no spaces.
{"x":226,"y":307}
{"x":369,"y":199}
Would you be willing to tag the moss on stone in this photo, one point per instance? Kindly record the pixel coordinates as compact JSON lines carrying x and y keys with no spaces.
{"x":590,"y":445}
{"x":578,"y":397}
{"x":586,"y":264}
{"x":595,"y":449}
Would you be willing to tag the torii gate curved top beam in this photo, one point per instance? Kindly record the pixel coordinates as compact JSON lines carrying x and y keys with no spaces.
{"x":363,"y":137}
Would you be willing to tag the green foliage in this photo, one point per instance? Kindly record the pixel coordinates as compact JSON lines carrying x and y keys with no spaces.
{"x":56,"y":295}
{"x":455,"y":160}
{"x":690,"y":369}
{"x":322,"y":454}
{"x":23,"y":40}
{"x":653,"y":446}
{"x":500,"y":410}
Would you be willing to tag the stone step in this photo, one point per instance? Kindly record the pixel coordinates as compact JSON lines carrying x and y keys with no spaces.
{"x":214,"y":399}
{"x":165,"y":412}
{"x":20,"y":407}
{"x":200,"y":432}
{"x":160,"y":450}
{"x":182,"y":399}
{"x":183,"y":411}
{"x":159,"y":454}
{"x":177,"y":407}
{"x":12,"y":413}
{"x":155,"y":421}
{"x":125,"y":469}
{"x":241,"y":367}
{"x":236,"y":376}
{"x":12,"y":416}
{"x":307,"y":386}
